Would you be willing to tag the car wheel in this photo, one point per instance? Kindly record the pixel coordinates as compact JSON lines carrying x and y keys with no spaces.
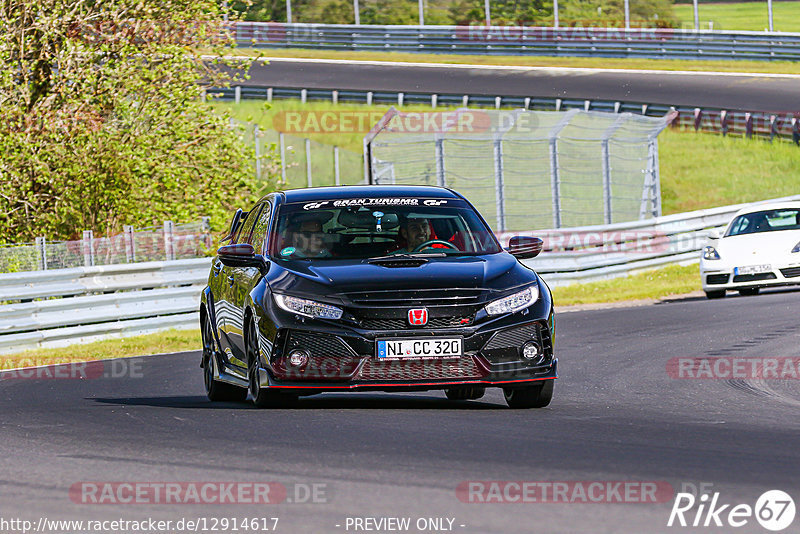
{"x":262,"y":398}
{"x":216,"y":391}
{"x":472,"y":393}
{"x":748,"y":291}
{"x":715,"y":294}
{"x":537,"y":396}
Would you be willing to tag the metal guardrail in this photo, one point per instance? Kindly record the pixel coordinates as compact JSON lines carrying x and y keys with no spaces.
{"x":742,"y":123}
{"x":60,"y":307}
{"x":655,"y":43}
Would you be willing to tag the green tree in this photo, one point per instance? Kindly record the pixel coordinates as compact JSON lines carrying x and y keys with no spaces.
{"x":104,"y":123}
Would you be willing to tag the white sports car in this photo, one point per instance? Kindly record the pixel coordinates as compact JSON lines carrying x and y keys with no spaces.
{"x":760,"y":248}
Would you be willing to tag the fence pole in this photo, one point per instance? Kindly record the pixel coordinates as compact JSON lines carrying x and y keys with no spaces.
{"x":656,"y":178}
{"x":88,"y":248}
{"x":499,"y":186}
{"x":308,"y":162}
{"x":356,"y":11}
{"x":627,"y":15}
{"x":205,"y":224}
{"x":606,"y":181}
{"x":282,"y":143}
{"x":258,"y":151}
{"x":41,"y":253}
{"x":441,"y":179}
{"x":769,"y":12}
{"x":421,"y":13}
{"x":555,"y":184}
{"x":696,"y":15}
{"x":130,"y":243}
{"x":289,"y":11}
{"x":169,"y":250}
{"x":488,"y":12}
{"x":555,"y":14}
{"x":336,"y":177}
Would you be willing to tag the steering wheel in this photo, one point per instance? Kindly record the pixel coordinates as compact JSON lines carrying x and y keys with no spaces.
{"x":427,"y":244}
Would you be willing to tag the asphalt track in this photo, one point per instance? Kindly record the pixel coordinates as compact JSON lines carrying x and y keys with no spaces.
{"x":752,"y":92}
{"x":617,"y":416}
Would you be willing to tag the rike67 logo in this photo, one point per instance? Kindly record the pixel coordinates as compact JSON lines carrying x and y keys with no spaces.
{"x":774,"y":510}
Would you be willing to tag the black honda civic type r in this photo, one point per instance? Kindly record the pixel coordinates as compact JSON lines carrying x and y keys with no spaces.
{"x":374,"y":288}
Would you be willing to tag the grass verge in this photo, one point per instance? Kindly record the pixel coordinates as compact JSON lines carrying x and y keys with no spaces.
{"x":160,"y":342}
{"x":771,"y":67}
{"x":671,"y":280}
{"x":750,"y":16}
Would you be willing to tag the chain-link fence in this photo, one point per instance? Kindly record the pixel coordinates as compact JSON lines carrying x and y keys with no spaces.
{"x":167,"y":242}
{"x":527,"y":169}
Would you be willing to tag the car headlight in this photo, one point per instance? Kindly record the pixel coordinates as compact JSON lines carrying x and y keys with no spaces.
{"x":513,"y":303}
{"x":796,"y":248}
{"x":308,"y":308}
{"x":710,"y":253}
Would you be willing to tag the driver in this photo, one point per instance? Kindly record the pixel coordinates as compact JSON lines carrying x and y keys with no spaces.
{"x":305,"y":236}
{"x":415,"y":231}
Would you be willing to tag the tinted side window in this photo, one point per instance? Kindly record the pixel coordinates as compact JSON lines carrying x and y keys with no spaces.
{"x":247,"y":227}
{"x":259,"y":238}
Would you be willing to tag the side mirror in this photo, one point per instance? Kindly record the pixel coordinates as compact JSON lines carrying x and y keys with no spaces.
{"x":241,"y":255}
{"x":524,"y":247}
{"x":713,"y":234}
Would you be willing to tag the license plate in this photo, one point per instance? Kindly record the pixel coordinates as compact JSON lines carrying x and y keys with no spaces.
{"x":419,"y":348}
{"x":753,"y":269}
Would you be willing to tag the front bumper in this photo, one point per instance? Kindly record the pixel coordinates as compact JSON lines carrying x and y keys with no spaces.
{"x":718,"y":278}
{"x":346,"y":360}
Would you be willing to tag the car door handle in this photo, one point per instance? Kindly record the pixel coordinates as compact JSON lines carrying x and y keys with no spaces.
{"x":231,"y":280}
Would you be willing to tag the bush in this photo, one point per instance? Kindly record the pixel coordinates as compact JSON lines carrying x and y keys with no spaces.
{"x":103,"y":120}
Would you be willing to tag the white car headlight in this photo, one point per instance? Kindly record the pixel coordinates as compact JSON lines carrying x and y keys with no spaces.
{"x":710,"y":253}
{"x":514,"y":303}
{"x":796,"y":248}
{"x":308,"y":308}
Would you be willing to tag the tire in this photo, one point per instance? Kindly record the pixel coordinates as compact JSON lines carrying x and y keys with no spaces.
{"x":720,"y":294}
{"x":216,"y":391}
{"x":537,"y":396}
{"x":749,"y":291}
{"x":262,"y":398}
{"x":471,"y":393}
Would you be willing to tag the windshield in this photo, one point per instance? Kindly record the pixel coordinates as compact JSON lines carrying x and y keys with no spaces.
{"x":765,"y":221}
{"x":364,"y":228}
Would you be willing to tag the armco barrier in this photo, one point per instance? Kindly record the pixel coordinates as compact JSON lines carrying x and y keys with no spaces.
{"x":113,"y":300}
{"x":656,"y":43}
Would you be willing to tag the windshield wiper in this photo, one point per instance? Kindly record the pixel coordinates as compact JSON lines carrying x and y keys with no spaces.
{"x":408,"y":256}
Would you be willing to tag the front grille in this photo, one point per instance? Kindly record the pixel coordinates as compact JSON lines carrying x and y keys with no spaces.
{"x":402,"y":324}
{"x":382,"y":369}
{"x":754,"y":277}
{"x":319,"y":345}
{"x":791,"y":272}
{"x":717,"y":279}
{"x":415,"y":297}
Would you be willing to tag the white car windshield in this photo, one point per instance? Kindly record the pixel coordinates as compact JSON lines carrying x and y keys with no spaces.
{"x":765,"y":221}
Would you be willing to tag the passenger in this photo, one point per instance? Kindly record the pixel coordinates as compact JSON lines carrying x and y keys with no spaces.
{"x":305,"y":236}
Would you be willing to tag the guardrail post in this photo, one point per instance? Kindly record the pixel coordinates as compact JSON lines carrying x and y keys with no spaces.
{"x":88,"y":248}
{"x":773,"y":127}
{"x":282,"y":143}
{"x":308,"y":162}
{"x":748,"y":125}
{"x":369,"y":98}
{"x":237,"y":94}
{"x":434,"y":100}
{"x":497,"y":101}
{"x":400,"y":98}
{"x":499,"y":186}
{"x":303,"y":96}
{"x":723,"y":121}
{"x":527,"y":103}
{"x":41,"y":253}
{"x":169,"y":249}
{"x":336,"y":177}
{"x":441,"y":179}
{"x":465,"y":100}
{"x":698,"y":118}
{"x":269,"y":94}
{"x":795,"y":131}
{"x":130,"y":243}
{"x":335,"y":97}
